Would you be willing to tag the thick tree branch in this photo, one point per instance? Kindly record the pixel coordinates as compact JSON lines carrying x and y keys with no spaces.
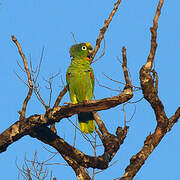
{"x":19,"y":129}
{"x":72,"y":155}
{"x":35,"y":126}
{"x":150,"y":93}
{"x":137,"y":161}
{"x":69,"y":152}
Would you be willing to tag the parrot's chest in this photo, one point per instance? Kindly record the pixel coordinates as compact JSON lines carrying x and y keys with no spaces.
{"x":80,"y":82}
{"x":80,"y":76}
{"x":79,"y":72}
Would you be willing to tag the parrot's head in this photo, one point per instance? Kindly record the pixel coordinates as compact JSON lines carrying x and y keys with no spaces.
{"x":82,"y":50}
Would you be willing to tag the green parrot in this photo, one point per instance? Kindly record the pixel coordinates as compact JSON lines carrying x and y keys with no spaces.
{"x":80,"y":81}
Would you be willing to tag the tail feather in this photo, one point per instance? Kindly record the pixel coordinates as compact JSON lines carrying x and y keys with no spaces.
{"x":86,"y":122}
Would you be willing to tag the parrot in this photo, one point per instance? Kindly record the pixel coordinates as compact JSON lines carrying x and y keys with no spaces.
{"x":80,"y":82}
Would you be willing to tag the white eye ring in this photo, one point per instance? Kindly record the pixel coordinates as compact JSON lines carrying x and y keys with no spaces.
{"x":84,"y":48}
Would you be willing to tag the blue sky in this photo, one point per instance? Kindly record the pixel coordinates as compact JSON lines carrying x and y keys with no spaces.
{"x":38,"y":23}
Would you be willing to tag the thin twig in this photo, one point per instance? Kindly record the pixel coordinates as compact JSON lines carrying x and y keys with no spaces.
{"x":102,"y":54}
{"x":108,"y":167}
{"x":74,"y":37}
{"x":124,"y":115}
{"x":21,"y":79}
{"x":36,"y":91}
{"x":132,"y":102}
{"x":95,"y":146}
{"x":21,"y":67}
{"x":83,"y":134}
{"x":50,"y":82}
{"x":111,"y":89}
{"x":39,"y":66}
{"x":99,"y":134}
{"x":75,"y":131}
{"x":113,"y":79}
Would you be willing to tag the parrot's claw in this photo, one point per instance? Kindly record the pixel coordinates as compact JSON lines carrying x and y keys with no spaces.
{"x":85,"y":101}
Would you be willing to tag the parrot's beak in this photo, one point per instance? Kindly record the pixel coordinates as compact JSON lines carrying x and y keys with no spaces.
{"x":90,"y":52}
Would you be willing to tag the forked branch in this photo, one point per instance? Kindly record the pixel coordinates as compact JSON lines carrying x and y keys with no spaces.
{"x":104,"y":29}
{"x":150,"y":92}
{"x":23,"y":112}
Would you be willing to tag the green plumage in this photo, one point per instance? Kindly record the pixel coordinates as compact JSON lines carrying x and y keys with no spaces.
{"x":80,"y":81}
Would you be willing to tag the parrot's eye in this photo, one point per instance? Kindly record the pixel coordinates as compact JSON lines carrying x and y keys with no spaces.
{"x":84,"y":48}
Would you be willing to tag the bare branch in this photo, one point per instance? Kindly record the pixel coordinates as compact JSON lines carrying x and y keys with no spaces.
{"x":39,"y":66}
{"x":153,"y":29}
{"x":60,"y":96}
{"x":113,"y":79}
{"x":75,"y":131}
{"x":173,"y":119}
{"x":49,"y":87}
{"x":33,"y":168}
{"x":36,"y":91}
{"x":74,"y":37}
{"x":150,"y":93}
{"x":137,"y":161}
{"x":21,"y":67}
{"x":102,"y":54}
{"x":99,"y":134}
{"x":21,"y":79}
{"x":47,"y":136}
{"x":124,"y":66}
{"x":23,"y":112}
{"x":100,"y":124}
{"x":105,"y":27}
{"x":20,"y":129}
{"x":101,"y":162}
{"x":109,"y":88}
{"x":56,"y":104}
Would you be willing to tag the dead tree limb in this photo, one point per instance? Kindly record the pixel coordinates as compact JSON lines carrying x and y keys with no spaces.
{"x":150,"y":92}
{"x":75,"y":157}
{"x":35,"y":126}
{"x":30,"y":84}
{"x":21,"y":128}
{"x":104,"y":29}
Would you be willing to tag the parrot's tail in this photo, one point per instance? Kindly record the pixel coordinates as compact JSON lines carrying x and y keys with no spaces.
{"x":86,"y":122}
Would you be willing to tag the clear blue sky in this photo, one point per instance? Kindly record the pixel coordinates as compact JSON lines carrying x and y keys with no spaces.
{"x":38,"y":23}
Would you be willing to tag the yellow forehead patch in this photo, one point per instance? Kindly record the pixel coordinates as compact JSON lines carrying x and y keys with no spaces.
{"x":88,"y":44}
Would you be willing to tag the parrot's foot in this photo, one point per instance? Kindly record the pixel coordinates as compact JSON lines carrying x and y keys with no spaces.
{"x":86,"y":101}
